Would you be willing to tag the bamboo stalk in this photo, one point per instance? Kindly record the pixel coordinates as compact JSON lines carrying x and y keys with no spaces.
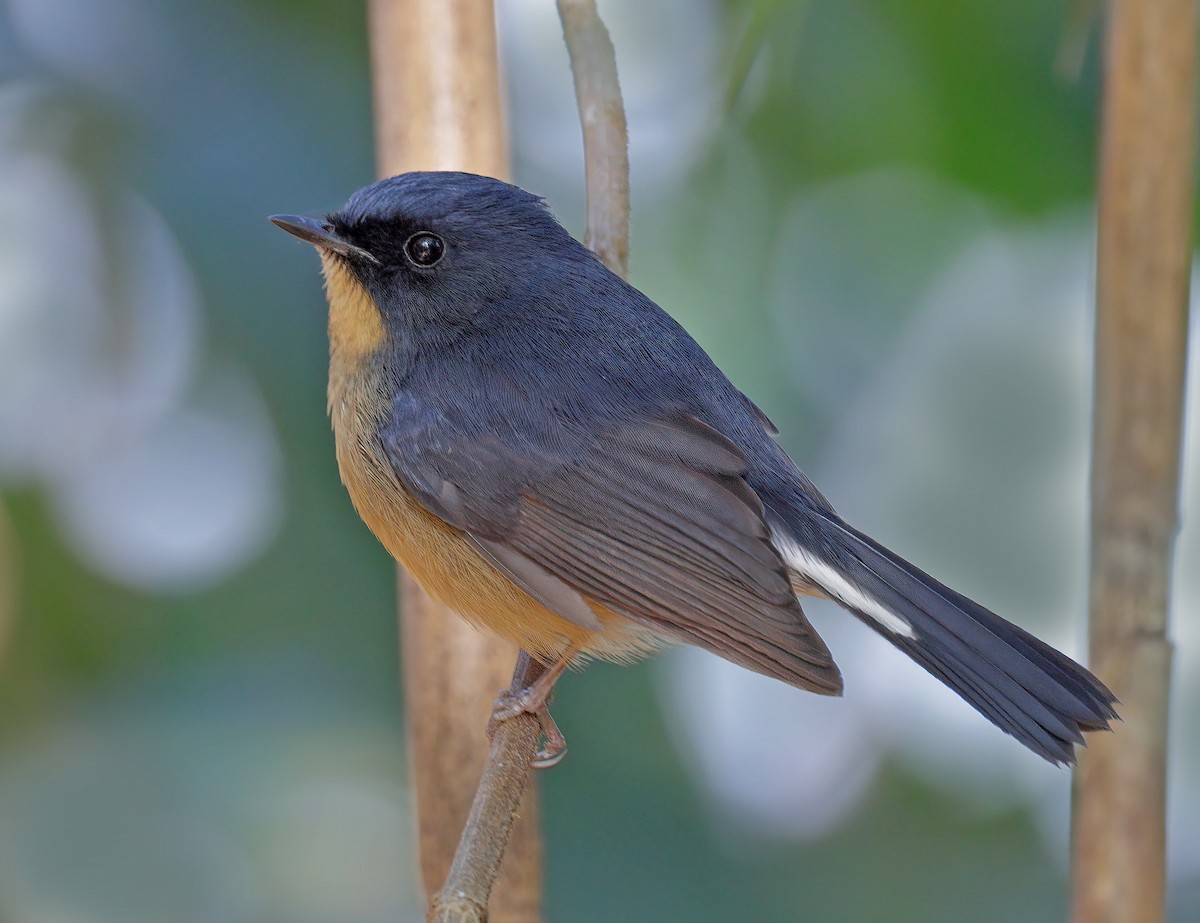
{"x":438,"y":107}
{"x":1143,"y":266}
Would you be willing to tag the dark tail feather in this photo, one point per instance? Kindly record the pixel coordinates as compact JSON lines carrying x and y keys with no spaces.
{"x":1024,"y":686}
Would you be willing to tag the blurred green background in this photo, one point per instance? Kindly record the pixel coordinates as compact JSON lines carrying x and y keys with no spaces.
{"x":875,"y":214}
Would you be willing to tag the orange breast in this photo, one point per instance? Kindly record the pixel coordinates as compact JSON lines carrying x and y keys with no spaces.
{"x":437,"y":556}
{"x":448,"y":568}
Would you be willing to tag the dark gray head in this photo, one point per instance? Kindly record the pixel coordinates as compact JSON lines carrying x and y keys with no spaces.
{"x":436,"y":248}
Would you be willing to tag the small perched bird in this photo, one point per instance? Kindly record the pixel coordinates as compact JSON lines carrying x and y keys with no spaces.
{"x":553,"y":457}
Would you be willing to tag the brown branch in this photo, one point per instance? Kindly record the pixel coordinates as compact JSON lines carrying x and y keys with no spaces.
{"x":605,"y":138}
{"x":497,"y":803}
{"x":465,"y":895}
{"x":437,"y":107}
{"x":1143,"y":265}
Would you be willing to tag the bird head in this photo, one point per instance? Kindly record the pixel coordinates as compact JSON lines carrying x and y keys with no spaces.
{"x":431,"y":254}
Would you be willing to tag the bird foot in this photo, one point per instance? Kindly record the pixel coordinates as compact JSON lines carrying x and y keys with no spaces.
{"x":531,"y":701}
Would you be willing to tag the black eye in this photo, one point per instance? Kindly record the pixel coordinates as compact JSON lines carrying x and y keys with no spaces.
{"x":424,"y":248}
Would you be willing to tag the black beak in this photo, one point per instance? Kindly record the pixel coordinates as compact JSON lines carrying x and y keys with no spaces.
{"x":315,"y":232}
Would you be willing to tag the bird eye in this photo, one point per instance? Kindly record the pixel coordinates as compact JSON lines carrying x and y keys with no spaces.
{"x":424,"y":248}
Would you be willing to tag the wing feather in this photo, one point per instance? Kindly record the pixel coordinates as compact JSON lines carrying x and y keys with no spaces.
{"x":651,"y":518}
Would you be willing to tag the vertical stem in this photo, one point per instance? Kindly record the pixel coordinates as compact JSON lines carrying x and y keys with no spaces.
{"x":605,"y":138}
{"x":438,"y":107}
{"x":1143,"y":267}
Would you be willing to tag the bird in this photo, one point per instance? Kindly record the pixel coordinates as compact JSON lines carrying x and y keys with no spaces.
{"x":550,"y":454}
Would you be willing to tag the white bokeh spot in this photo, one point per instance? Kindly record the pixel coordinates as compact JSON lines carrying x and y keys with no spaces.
{"x":161,"y":464}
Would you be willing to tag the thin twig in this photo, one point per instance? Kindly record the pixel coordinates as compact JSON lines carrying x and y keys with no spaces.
{"x":464,"y":897}
{"x":605,"y":137}
{"x":1143,"y":266}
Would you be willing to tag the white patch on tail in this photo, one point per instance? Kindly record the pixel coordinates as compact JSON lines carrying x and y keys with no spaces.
{"x":816,"y":571}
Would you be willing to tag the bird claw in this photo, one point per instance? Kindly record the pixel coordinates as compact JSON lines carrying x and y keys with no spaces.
{"x":531,"y":701}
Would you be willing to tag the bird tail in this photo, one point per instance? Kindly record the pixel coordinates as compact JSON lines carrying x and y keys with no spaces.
{"x":1022,"y":685}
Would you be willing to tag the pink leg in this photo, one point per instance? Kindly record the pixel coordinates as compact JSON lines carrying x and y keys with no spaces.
{"x":533,"y":684}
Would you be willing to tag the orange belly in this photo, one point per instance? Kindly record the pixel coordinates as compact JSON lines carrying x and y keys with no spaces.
{"x":450,"y":570}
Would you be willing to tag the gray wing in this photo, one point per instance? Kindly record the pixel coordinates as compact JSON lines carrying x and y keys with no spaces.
{"x":652,"y":519}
